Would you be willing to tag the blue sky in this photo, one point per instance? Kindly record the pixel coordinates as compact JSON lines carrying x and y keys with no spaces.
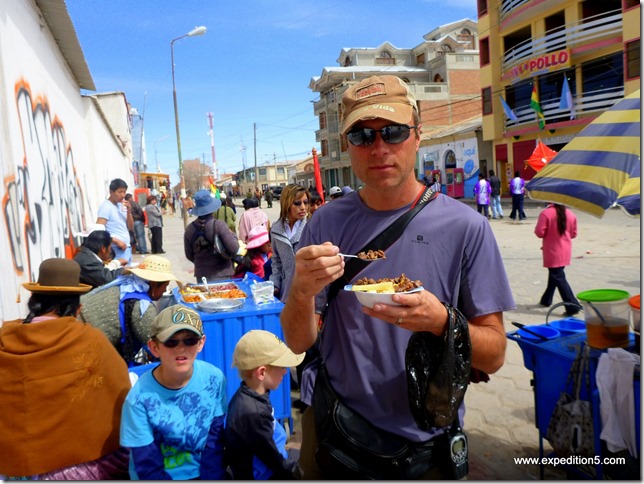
{"x":253,"y":65}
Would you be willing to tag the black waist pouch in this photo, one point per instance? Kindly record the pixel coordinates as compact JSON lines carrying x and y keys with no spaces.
{"x":349,"y":447}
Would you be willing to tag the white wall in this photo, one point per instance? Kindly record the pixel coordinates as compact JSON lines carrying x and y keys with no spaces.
{"x":57,"y":155}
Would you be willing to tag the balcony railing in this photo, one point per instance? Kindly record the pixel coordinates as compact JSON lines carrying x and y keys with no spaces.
{"x":604,"y":25}
{"x":588,"y":102}
{"x":319,"y":105}
{"x":508,"y":6}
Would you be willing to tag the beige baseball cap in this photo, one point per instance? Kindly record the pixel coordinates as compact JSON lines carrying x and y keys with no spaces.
{"x":259,"y":348}
{"x":173,"y":319}
{"x":386,"y":97}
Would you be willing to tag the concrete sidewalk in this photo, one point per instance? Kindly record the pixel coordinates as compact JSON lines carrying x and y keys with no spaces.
{"x":500,"y":414}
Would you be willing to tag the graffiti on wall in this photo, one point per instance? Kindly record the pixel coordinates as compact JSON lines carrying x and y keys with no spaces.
{"x":43,"y":205}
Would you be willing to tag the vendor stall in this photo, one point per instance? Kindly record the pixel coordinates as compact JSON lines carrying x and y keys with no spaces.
{"x":224,"y":327}
{"x":550,"y":358}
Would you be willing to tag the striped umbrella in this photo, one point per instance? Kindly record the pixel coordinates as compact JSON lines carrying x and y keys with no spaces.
{"x":599,"y":167}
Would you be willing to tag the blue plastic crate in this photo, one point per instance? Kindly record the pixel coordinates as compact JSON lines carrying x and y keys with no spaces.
{"x":224,"y":329}
{"x":550,"y":361}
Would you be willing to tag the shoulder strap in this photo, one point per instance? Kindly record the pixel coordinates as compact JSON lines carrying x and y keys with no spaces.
{"x":382,"y":241}
{"x":210,"y":239}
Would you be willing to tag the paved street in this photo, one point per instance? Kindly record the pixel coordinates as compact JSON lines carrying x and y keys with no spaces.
{"x":500,"y":414}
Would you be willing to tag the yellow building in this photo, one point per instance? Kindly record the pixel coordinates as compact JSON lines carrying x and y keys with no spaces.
{"x":530,"y":49}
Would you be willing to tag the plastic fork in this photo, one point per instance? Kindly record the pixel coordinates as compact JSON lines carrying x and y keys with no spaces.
{"x":356,"y":257}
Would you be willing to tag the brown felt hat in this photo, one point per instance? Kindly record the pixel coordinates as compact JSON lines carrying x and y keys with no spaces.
{"x":58,"y":276}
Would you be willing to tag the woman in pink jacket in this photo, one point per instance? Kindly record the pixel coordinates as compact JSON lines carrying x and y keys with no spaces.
{"x":557,"y":226}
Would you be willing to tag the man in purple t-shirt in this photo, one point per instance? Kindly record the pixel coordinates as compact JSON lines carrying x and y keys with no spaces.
{"x":447,"y":246}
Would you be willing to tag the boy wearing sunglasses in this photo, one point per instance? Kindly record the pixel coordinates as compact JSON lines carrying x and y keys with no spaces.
{"x":255,"y":441}
{"x":173,"y":417}
{"x":446,"y":245}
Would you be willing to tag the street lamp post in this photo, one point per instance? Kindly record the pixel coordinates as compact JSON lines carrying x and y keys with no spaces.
{"x":182,"y":185}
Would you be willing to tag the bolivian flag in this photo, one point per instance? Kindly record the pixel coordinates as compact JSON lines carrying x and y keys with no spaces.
{"x":534,"y":104}
{"x":213,"y":188}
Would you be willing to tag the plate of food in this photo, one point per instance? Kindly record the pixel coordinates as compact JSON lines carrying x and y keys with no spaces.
{"x":380,"y":291}
{"x":219,"y":305}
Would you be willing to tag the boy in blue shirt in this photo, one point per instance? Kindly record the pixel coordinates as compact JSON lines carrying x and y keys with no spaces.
{"x":255,"y":441}
{"x":173,"y":417}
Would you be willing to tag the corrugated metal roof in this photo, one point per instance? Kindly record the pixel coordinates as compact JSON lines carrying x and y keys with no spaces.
{"x":62,"y":29}
{"x":465,"y":126}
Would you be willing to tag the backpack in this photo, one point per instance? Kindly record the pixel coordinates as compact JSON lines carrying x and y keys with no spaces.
{"x":201,"y":242}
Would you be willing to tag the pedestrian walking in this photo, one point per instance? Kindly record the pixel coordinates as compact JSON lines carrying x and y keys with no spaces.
{"x":268,"y":195}
{"x":155,"y":224}
{"x":517,"y":189}
{"x":212,"y":260}
{"x":495,"y":197}
{"x":556,"y":227}
{"x":482,"y":191}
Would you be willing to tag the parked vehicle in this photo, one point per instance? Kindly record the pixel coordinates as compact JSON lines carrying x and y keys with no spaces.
{"x":277,"y":191}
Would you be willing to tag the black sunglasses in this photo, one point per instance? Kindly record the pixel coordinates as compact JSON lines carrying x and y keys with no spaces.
{"x":393,"y":134}
{"x":297,"y":203}
{"x":173,"y":343}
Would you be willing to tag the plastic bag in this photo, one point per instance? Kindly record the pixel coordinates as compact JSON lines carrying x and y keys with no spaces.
{"x":438,"y":372}
{"x":570,"y":430}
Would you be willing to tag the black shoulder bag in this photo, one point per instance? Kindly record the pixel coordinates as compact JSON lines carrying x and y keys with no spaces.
{"x":382,"y":241}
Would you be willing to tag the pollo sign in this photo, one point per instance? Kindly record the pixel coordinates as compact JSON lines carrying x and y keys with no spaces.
{"x":552,"y":61}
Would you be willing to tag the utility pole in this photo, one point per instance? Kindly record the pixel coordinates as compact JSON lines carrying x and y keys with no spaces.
{"x":242,"y":148}
{"x":212,"y":147}
{"x":141,"y":162}
{"x":255,"y":153}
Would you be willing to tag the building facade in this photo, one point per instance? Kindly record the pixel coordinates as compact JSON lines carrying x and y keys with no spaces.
{"x":576,"y":58}
{"x":442,"y":72}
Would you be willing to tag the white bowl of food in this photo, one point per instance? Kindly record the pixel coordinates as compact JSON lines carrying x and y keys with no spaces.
{"x":370,"y":292}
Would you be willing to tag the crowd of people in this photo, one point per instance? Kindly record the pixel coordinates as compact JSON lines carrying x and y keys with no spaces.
{"x":92,"y":317}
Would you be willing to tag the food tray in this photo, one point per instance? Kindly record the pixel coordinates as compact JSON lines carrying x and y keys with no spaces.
{"x":197,"y":292}
{"x":219,"y":305}
{"x":212,"y":287}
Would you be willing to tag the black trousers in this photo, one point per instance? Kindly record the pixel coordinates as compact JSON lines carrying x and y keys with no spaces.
{"x":157,"y":240}
{"x":517,"y":206}
{"x":483,"y":209}
{"x":557,"y":280}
